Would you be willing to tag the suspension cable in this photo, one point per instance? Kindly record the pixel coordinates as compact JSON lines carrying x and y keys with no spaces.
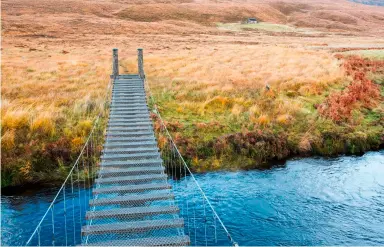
{"x":69,"y":176}
{"x":63,"y":185}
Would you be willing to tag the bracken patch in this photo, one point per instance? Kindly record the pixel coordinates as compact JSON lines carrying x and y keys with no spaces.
{"x":361,"y":92}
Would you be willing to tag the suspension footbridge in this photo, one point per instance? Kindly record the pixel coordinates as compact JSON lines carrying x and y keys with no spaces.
{"x":126,"y":188}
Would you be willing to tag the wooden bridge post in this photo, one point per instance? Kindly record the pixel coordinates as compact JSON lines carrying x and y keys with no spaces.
{"x":140,"y":62}
{"x":115,"y":61}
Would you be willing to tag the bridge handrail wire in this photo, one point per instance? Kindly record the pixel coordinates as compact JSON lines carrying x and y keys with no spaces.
{"x":51,"y":206}
{"x":234,"y":243}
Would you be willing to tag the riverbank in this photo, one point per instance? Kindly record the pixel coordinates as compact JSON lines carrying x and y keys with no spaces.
{"x":243,"y":126}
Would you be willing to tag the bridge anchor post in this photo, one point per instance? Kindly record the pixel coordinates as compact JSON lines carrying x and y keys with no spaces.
{"x":115,"y":63}
{"x":140,"y":63}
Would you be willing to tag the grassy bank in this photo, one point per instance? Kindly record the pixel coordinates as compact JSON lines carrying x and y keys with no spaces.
{"x":234,"y":121}
{"x":48,"y":110}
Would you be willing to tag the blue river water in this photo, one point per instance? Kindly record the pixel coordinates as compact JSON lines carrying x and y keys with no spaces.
{"x":310,"y":201}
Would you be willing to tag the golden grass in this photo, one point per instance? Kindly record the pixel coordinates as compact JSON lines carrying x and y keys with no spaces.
{"x":47,"y":97}
{"x":45,"y":88}
{"x":222,"y":90}
{"x":205,"y":75}
{"x":56,"y":61}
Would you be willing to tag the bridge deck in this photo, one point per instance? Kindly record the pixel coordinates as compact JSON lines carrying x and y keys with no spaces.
{"x":133,"y":204}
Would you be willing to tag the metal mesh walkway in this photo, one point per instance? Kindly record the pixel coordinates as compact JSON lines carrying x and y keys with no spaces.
{"x":133,"y":203}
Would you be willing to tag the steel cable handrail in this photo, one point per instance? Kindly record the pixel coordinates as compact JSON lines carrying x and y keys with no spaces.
{"x":51,"y":206}
{"x":234,"y":243}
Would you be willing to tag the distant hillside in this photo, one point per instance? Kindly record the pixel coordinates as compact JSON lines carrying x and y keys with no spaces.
{"x":370,"y":2}
{"x":51,"y":18}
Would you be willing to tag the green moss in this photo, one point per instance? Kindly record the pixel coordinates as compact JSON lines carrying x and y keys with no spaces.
{"x":372,"y":54}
